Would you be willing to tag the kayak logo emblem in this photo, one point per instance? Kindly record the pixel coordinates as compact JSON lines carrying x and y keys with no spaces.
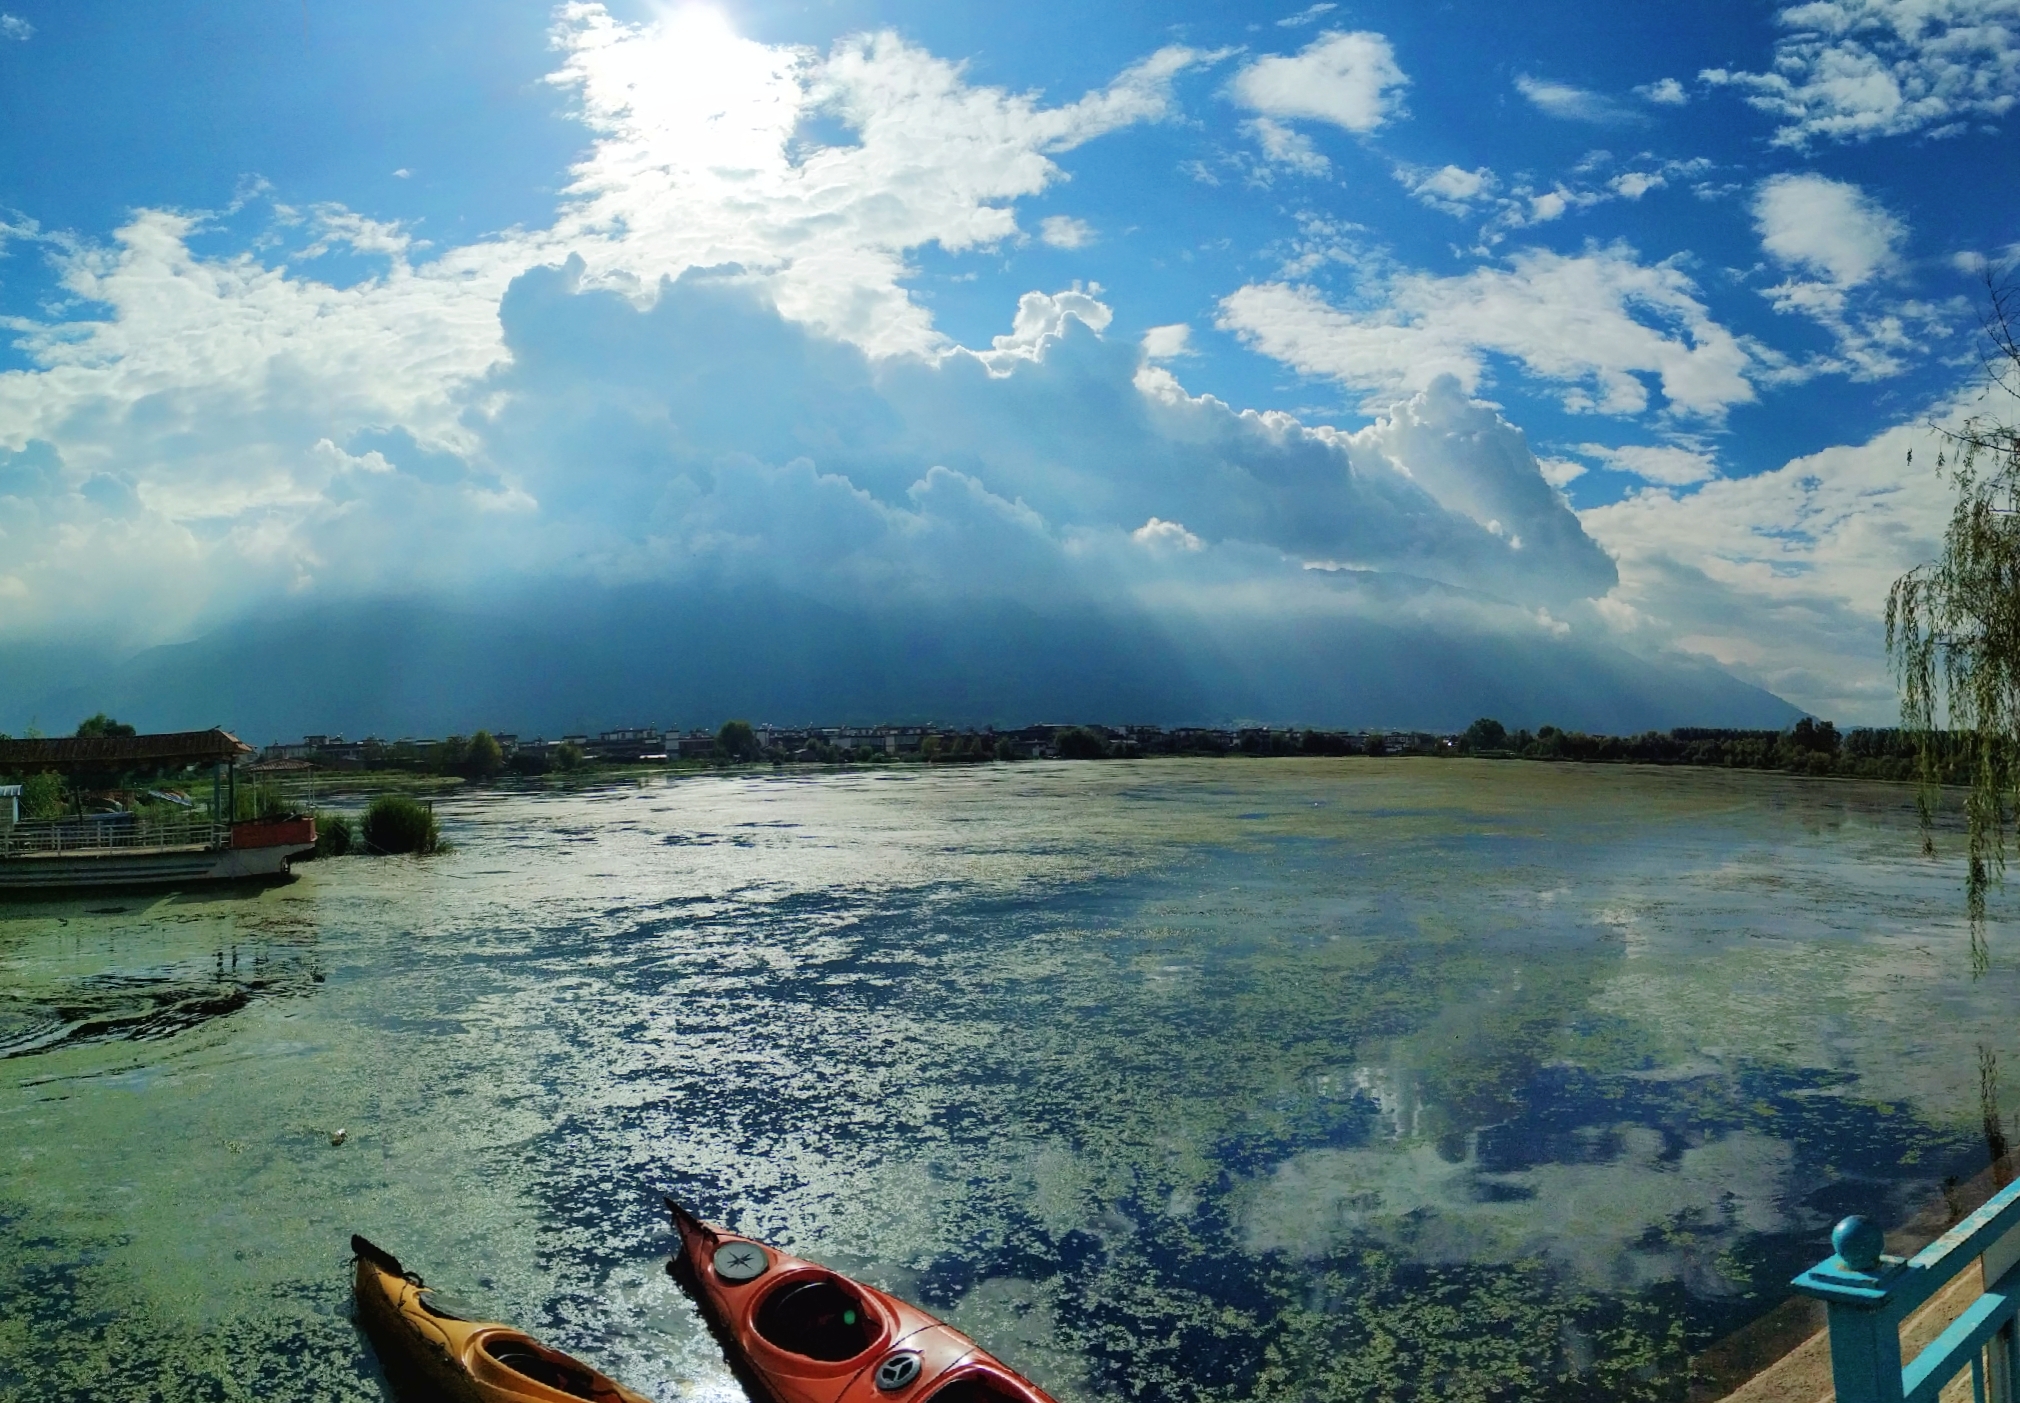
{"x":897,"y":1370}
{"x":740,"y":1261}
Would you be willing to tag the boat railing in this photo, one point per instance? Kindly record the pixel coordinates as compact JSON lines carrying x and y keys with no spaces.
{"x":108,"y":832}
{"x":1869,"y":1294}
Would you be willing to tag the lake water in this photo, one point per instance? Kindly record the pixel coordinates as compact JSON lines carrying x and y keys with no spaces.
{"x":1170,"y":1080}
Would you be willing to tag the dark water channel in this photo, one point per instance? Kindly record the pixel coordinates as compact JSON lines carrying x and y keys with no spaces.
{"x":1180,"y":1080}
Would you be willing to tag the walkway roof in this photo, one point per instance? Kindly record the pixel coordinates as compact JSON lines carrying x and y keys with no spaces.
{"x":102,"y":754}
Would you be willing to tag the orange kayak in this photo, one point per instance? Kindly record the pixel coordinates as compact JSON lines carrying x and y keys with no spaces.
{"x":432,"y":1348}
{"x":800,"y":1333}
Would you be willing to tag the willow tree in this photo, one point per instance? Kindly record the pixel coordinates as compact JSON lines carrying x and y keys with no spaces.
{"x":1953,"y":626}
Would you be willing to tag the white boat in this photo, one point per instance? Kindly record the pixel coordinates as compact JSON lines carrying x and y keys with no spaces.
{"x":125,"y":849}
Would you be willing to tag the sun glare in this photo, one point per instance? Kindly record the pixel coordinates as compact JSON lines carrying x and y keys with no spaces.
{"x":690,"y":91}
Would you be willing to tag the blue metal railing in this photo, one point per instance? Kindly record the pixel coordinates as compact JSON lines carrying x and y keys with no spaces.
{"x":1869,"y":1294}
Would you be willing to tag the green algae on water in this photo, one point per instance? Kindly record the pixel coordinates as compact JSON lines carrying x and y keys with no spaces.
{"x":1188,"y":1080}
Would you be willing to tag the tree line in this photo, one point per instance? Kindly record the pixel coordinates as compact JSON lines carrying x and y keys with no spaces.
{"x":1809,"y":747}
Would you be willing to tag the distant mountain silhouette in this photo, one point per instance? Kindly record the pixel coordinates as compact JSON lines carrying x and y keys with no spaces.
{"x":581,"y":659}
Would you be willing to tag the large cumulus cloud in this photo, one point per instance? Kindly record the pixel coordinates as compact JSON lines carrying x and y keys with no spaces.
{"x":311,"y":442}
{"x":720,"y":432}
{"x":698,"y":440}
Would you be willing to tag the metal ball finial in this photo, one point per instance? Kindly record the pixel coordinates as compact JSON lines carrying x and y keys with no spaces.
{"x":1858,"y":1242}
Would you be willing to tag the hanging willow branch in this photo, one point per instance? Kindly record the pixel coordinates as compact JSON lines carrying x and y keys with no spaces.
{"x":1953,"y":628}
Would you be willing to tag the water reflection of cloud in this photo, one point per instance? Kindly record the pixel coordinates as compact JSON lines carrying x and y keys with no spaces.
{"x":1394,"y":1092}
{"x":1633,"y":1219}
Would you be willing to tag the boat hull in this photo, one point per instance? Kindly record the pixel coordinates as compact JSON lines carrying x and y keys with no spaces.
{"x":147,"y":867}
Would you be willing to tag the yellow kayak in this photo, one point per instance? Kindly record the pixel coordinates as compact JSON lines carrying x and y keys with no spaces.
{"x":432,"y":1349}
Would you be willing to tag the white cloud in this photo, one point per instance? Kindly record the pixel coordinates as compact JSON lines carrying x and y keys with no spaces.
{"x":1828,"y":228}
{"x":1351,"y":80}
{"x":1167,"y":534}
{"x":1560,"y":472}
{"x":695,"y":163}
{"x":1474,"y":461}
{"x":1449,"y":188}
{"x":1064,"y":231}
{"x":1595,"y":180}
{"x":1661,"y":464}
{"x":1856,"y":69}
{"x":1286,"y":146}
{"x":1307,"y":15}
{"x":1571,"y":103}
{"x":1320,"y":241}
{"x":1665,"y":92}
{"x":1632,"y":185}
{"x":336,"y":228}
{"x":1973,"y":264}
{"x":1167,"y":342}
{"x":234,"y":338}
{"x":1836,"y":239}
{"x":402,"y":173}
{"x":1041,"y":320}
{"x":1783,"y":576}
{"x":1594,"y":324}
{"x":15,"y":27}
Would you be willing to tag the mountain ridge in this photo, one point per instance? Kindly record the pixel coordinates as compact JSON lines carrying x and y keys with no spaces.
{"x":588,"y":659}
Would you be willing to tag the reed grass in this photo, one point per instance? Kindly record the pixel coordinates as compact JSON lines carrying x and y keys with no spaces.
{"x":396,"y":824}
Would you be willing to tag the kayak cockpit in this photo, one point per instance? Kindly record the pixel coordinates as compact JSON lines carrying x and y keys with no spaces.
{"x":542,"y":1365}
{"x":817,"y":1318}
{"x":971,"y":1391}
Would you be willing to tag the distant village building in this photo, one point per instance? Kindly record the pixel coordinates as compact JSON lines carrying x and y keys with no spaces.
{"x":332,"y":752}
{"x":630,"y":743}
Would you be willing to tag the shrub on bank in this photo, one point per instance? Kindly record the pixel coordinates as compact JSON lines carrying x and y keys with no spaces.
{"x":333,"y":835}
{"x":396,"y":824}
{"x":43,"y":796}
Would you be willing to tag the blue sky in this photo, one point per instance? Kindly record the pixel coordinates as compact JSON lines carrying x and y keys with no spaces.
{"x":1697,"y":276}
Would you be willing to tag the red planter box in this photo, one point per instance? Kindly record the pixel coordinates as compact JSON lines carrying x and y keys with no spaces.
{"x":274,"y":833}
